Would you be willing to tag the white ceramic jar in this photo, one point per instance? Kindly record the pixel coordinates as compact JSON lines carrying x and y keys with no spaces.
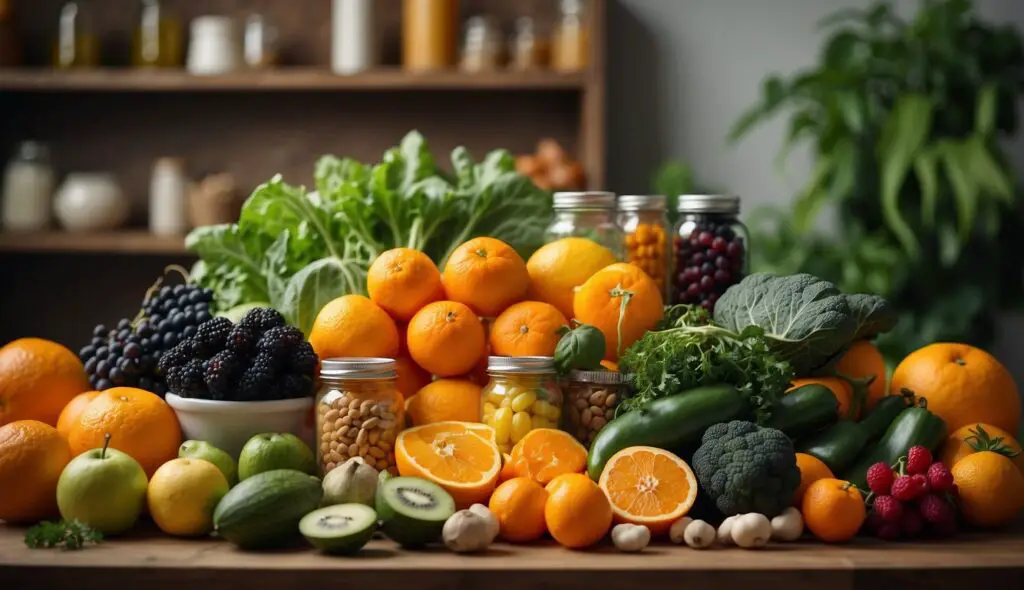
{"x":28,"y":189}
{"x":91,"y":201}
{"x":214,"y":48}
{"x":353,"y":38}
{"x":168,"y":194}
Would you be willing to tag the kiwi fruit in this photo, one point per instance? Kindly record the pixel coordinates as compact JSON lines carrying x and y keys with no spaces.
{"x":413,"y":510}
{"x":339,"y":529}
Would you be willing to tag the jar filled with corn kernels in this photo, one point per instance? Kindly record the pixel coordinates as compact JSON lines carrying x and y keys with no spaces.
{"x":644,"y":222}
{"x":359,"y":412}
{"x":590,"y":402}
{"x":521,"y":395}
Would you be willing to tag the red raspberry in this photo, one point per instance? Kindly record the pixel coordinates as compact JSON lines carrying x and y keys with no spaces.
{"x":939,"y":478}
{"x":919,"y":459}
{"x":936,"y":510}
{"x":880,"y":477}
{"x":890,"y":531}
{"x":889,"y":508}
{"x":907,"y":488}
{"x":921,"y":481}
{"x":912,"y":524}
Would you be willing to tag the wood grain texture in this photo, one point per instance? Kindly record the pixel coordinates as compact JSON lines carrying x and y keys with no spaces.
{"x":118,"y":242}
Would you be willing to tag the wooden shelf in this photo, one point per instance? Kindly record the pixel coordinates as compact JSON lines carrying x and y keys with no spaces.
{"x":282,"y":80}
{"x":118,"y":242}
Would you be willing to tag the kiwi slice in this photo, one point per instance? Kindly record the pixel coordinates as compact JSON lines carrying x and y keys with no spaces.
{"x":339,"y":529}
{"x":413,"y":510}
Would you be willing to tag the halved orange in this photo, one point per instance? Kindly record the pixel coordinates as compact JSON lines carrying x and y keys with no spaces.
{"x":648,"y":486}
{"x":452,"y":455}
{"x":545,"y":453}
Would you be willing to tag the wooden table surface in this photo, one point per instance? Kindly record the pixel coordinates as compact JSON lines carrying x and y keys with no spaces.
{"x":149,"y":561}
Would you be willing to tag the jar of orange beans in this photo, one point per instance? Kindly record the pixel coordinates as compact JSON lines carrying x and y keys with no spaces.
{"x":523,"y":394}
{"x":644,"y":222}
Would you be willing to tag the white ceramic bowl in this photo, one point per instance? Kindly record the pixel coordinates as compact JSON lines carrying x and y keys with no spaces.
{"x":228,"y":425}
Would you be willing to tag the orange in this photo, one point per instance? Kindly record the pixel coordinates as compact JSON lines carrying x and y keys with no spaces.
{"x":559,"y":268}
{"x":446,"y":338}
{"x":452,"y":456}
{"x":518,"y":504}
{"x":353,"y":326}
{"x":963,"y":385}
{"x":577,"y":512}
{"x":833,"y":510}
{"x":991,"y":488}
{"x":487,"y":275}
{"x":839,"y":387}
{"x":411,"y":377}
{"x":139,"y":422}
{"x":864,"y":361}
{"x":649,"y":487}
{"x":403,"y":280}
{"x":975,"y":438}
{"x":37,"y":379}
{"x":610,"y":365}
{"x":545,"y":453}
{"x":621,"y":301}
{"x":69,"y":415}
{"x":811,"y":470}
{"x":445,"y":400}
{"x":32,"y":457}
{"x":507,"y":468}
{"x":529,"y":328}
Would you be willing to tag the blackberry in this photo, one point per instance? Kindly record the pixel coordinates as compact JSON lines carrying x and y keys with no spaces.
{"x":303,"y":360}
{"x":261,"y":319}
{"x":221,"y":371}
{"x":294,"y":385}
{"x":192,"y":383}
{"x":210,"y":337}
{"x":280,"y":341}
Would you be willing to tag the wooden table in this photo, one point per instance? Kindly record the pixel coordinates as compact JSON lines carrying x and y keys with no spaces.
{"x":148,"y":561}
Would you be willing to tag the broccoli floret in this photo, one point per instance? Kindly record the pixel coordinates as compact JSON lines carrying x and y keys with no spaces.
{"x":745,"y":468}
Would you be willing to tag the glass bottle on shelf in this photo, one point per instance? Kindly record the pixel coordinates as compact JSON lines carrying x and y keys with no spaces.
{"x":644,"y":220}
{"x":481,"y":48}
{"x":259,"y":42}
{"x":569,"y":50}
{"x":428,"y":34}
{"x":28,"y":185}
{"x":528,"y":49}
{"x":586,"y":214}
{"x":77,"y":45}
{"x":158,"y":38}
{"x":711,"y":248}
{"x":10,"y":41}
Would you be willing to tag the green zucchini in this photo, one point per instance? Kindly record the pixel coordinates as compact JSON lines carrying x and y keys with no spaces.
{"x":913,"y":427}
{"x":804,"y":410}
{"x":881,"y":416}
{"x":837,"y":446}
{"x":671,"y":423}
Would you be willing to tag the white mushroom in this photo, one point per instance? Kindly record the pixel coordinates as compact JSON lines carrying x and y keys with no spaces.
{"x":725,"y":530}
{"x":466,"y":532}
{"x":675,"y":533}
{"x":700,"y":535}
{"x":485,"y":513}
{"x":631,"y":538}
{"x":788,"y":526}
{"x":751,"y":530}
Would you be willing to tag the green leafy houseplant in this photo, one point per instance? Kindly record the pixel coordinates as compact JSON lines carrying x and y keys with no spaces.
{"x":904,"y":119}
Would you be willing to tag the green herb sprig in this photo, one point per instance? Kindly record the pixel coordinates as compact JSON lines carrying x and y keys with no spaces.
{"x":71,"y":534}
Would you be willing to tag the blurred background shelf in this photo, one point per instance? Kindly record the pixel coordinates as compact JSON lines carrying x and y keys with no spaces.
{"x":117,"y":242}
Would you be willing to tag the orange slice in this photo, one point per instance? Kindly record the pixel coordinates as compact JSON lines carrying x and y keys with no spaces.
{"x":648,"y":486}
{"x":545,"y":453}
{"x":452,"y":455}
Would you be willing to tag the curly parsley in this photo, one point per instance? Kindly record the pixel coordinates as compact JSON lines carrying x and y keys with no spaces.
{"x":66,"y":534}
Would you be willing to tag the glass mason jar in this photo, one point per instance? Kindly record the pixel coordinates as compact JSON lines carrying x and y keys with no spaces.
{"x":586,"y":214}
{"x":359,"y":412}
{"x":711,"y":248}
{"x":522,"y":394}
{"x":644,"y":221}
{"x":590,"y":402}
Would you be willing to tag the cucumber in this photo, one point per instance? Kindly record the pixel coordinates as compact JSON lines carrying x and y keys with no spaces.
{"x":881,"y":416}
{"x":265,"y":509}
{"x":670,"y":423}
{"x":837,"y":446}
{"x":914,"y":426}
{"x":804,"y":410}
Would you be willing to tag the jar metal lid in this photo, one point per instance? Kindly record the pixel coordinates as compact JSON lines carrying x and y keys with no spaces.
{"x":584,"y":199}
{"x":598,"y":377}
{"x":521,"y":364}
{"x":358,"y":368}
{"x":642,"y":202}
{"x":708,"y":204}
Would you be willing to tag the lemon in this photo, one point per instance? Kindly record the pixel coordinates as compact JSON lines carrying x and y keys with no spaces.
{"x":182,"y":495}
{"x":560,"y":267}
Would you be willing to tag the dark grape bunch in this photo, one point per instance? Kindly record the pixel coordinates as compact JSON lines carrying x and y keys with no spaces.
{"x":175,"y":313}
{"x":259,"y":359}
{"x":707,"y":263}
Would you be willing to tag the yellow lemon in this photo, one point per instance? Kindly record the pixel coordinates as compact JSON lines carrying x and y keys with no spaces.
{"x":182,"y":495}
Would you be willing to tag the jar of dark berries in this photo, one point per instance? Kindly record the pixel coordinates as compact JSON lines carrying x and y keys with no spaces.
{"x":711,"y":248}
{"x":586,"y":214}
{"x":644,"y":221}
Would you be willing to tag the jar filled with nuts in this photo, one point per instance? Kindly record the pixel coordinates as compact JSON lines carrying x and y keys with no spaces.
{"x":590,"y":401}
{"x":522,"y":394}
{"x":359,"y":412}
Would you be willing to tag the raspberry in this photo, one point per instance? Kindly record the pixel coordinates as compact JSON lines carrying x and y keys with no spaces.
{"x":918,"y":460}
{"x":939,"y":478}
{"x":880,"y":477}
{"x":907,"y":488}
{"x":921,"y":481}
{"x":912,"y":523}
{"x":889,"y":508}
{"x":936,"y":510}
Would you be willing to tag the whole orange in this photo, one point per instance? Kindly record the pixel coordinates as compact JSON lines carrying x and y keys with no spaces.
{"x":139,"y":422}
{"x":69,"y":415}
{"x":839,"y":388}
{"x":864,"y":361}
{"x":621,"y":301}
{"x":32,"y":457}
{"x":991,"y":489}
{"x":411,"y":377}
{"x":487,"y":275}
{"x":354,"y":326}
{"x":528,"y":328}
{"x":37,"y":379}
{"x":833,"y":510}
{"x":811,"y":470}
{"x":445,"y":400}
{"x":403,"y":280}
{"x":518,"y":504}
{"x":446,"y":338}
{"x":577,"y":512}
{"x":557,"y":269}
{"x":963,"y":385}
{"x":975,"y":438}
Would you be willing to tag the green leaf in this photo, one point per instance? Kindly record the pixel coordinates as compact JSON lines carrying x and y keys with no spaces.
{"x":965,"y":191}
{"x":949,"y":245}
{"x":926,"y":168}
{"x":773,"y":94}
{"x":844,"y":170}
{"x":313,"y":287}
{"x":987,"y":174}
{"x":903,"y":135}
{"x":985,"y":114}
{"x":801,"y":124}
{"x":814,"y":195}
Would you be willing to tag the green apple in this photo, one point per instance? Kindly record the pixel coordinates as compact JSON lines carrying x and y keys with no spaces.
{"x":103,"y":488}
{"x":200,"y":449}
{"x":265,"y":452}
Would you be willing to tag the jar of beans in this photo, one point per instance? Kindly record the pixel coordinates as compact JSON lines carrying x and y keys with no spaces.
{"x":359,"y":412}
{"x":590,"y":401}
{"x":523,"y":394}
{"x":644,"y":221}
{"x":711,"y":248}
{"x":586,"y":214}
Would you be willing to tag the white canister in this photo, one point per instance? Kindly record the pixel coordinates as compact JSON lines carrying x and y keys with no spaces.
{"x":214,"y":48}
{"x":168,"y":198}
{"x":28,"y":189}
{"x":353,"y":37}
{"x":91,"y":201}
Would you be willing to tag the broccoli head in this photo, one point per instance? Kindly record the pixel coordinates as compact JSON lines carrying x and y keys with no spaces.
{"x":745,"y":468}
